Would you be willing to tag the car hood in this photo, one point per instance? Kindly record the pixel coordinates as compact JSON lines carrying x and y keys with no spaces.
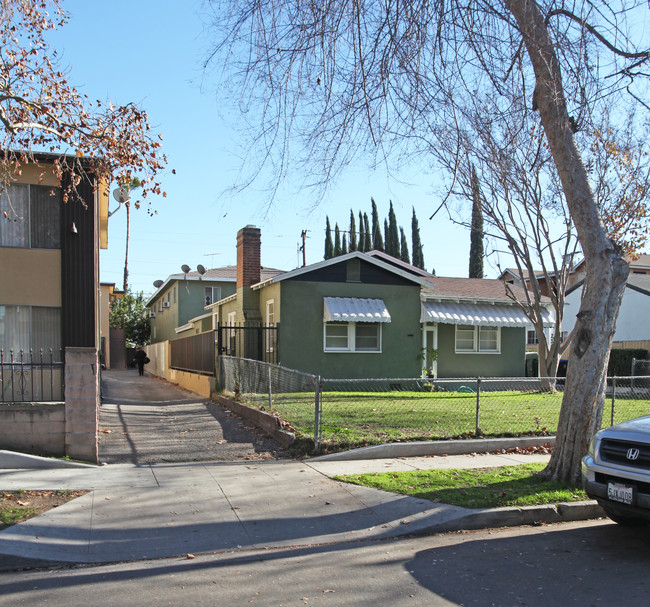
{"x":632,"y":426}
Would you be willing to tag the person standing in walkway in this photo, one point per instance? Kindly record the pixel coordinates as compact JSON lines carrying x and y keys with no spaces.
{"x":139,"y":359}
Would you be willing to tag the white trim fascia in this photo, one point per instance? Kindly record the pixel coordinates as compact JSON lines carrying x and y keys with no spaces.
{"x":212,"y":306}
{"x":182,"y":278}
{"x":201,"y":317}
{"x":186,"y":327}
{"x":342,"y":258}
{"x":471,"y":300}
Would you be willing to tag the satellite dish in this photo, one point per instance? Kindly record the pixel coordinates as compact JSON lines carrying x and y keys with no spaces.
{"x":121,"y":195}
{"x":157,"y":283}
{"x":200,"y":269}
{"x":185,"y":268}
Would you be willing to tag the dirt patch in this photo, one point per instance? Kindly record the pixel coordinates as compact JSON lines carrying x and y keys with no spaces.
{"x":20,"y":505}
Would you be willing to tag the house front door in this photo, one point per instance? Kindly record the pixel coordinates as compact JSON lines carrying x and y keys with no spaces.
{"x":430,"y":350}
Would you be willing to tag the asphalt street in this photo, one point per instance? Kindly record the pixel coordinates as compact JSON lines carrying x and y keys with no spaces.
{"x":586,"y":564}
{"x":145,"y":420}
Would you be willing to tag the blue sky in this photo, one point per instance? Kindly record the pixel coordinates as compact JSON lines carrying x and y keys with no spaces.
{"x":151,"y":53}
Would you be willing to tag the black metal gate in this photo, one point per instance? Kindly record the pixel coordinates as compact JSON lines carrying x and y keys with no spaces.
{"x":249,"y":340}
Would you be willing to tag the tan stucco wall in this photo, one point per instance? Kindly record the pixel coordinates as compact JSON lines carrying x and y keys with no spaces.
{"x":200,"y":384}
{"x":102,"y":197}
{"x":227,"y":308}
{"x":30,"y":277}
{"x":267,"y":293}
{"x":42,"y":174}
{"x":104,"y":330}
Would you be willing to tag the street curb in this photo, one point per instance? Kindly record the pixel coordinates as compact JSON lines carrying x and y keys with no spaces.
{"x":14,"y":461}
{"x":516,"y":517}
{"x":441,"y":447}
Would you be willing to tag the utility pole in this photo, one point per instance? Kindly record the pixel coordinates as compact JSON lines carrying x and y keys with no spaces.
{"x":302,"y":248}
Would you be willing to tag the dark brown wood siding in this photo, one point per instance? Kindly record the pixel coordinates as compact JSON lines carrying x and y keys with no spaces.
{"x":78,"y":288}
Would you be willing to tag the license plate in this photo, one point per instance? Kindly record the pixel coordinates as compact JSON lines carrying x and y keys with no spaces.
{"x":620,"y":493}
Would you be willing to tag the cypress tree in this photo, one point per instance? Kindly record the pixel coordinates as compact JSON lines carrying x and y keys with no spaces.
{"x":329,"y":246}
{"x":377,"y":240}
{"x":392,"y":241}
{"x":476,"y":232}
{"x":386,"y":236}
{"x":344,"y":246}
{"x":353,"y":233}
{"x":404,"y":248}
{"x":367,"y":245}
{"x":418,"y":255}
{"x":337,"y":240}
{"x":362,"y":235}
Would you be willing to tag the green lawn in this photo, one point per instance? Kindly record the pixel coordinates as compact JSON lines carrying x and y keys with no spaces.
{"x":474,"y":488}
{"x":363,"y":418}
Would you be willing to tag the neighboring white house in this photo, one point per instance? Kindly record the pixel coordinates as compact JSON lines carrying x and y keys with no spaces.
{"x":633,"y":324}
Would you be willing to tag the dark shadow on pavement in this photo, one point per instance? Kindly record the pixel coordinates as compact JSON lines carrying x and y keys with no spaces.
{"x":146,"y":420}
{"x":602,"y":564}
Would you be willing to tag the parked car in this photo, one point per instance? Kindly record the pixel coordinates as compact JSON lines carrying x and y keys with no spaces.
{"x":616,"y":471}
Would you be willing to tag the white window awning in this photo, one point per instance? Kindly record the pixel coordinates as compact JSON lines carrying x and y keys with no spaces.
{"x":353,"y":309}
{"x":485,"y":315}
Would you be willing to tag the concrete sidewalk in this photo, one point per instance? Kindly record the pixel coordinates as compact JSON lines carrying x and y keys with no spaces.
{"x":165,"y":510}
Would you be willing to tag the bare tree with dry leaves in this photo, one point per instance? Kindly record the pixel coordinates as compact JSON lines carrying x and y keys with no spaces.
{"x":321,"y":84}
{"x":41,"y":112}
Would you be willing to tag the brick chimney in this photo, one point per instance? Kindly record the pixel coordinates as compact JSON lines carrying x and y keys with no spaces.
{"x":248,"y":270}
{"x":248,"y":257}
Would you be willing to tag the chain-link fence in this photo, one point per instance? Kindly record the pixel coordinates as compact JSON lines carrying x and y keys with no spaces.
{"x":293,"y":395}
{"x":640,"y":366}
{"x":354,"y":412}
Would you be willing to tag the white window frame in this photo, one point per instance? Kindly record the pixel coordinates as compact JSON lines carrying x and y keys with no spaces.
{"x":476,"y":349}
{"x":270,"y":311}
{"x":351,"y":338}
{"x":531,"y":337}
{"x":231,"y":333}
{"x":215,"y":294}
{"x":270,"y":321}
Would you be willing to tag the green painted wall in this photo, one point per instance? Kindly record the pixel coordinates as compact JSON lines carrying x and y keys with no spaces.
{"x":510,"y":363}
{"x":166,"y":320}
{"x":301,"y":331}
{"x":193,"y":303}
{"x":190,"y":302}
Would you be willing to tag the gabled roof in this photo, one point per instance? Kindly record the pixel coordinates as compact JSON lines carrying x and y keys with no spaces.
{"x":643,"y":261}
{"x":474,"y":289}
{"x":415,"y":277}
{"x":399,"y":263}
{"x":224,"y":274}
{"x":636,"y":282}
{"x":639,"y":283}
{"x":539,"y":274}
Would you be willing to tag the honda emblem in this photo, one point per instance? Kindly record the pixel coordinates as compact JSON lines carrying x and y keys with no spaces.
{"x":632,"y":454}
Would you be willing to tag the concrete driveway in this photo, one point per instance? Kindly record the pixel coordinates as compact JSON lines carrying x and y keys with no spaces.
{"x":146,"y":420}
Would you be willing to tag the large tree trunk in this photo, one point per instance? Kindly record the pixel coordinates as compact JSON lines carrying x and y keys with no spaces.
{"x":607,"y":271}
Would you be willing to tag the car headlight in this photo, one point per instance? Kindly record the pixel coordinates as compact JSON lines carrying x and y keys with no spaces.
{"x":593,"y":443}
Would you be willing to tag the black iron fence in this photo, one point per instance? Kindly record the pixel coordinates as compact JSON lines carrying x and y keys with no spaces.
{"x":195,"y":354}
{"x":249,"y":340}
{"x":31,"y":375}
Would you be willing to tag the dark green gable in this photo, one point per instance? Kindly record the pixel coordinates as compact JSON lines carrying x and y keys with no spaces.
{"x":302,"y":333}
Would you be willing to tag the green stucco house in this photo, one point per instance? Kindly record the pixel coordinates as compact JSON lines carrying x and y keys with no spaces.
{"x":368,"y":315}
{"x":184,"y":296}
